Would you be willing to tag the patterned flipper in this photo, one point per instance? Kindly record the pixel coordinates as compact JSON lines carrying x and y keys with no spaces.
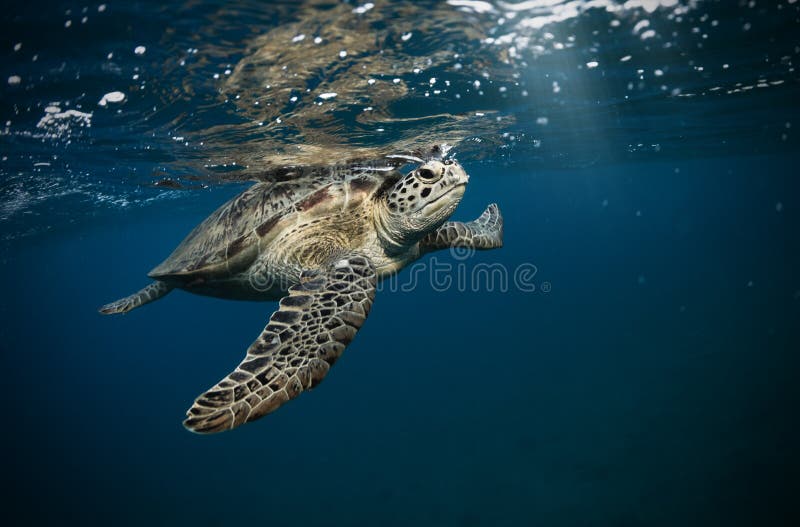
{"x":152,"y":292}
{"x":484,"y":233}
{"x":303,"y":338}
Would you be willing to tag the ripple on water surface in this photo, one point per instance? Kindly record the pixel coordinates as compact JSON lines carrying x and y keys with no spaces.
{"x":121,"y":105}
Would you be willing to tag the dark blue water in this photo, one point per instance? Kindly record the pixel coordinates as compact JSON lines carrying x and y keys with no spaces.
{"x":649,"y":378}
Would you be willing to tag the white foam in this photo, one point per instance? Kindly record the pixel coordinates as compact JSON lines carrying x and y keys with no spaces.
{"x":360,"y":10}
{"x":14,"y":80}
{"x":641,"y":24}
{"x":328,"y":95}
{"x":476,"y":6}
{"x":140,"y":50}
{"x":112,"y":97}
{"x":56,"y":123}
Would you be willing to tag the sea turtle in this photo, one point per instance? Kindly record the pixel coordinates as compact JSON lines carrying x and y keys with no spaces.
{"x":320,"y":244}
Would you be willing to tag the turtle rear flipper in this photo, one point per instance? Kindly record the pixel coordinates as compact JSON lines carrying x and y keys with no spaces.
{"x":303,"y":338}
{"x":150,"y":293}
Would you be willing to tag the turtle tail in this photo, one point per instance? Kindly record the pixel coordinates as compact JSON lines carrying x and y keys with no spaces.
{"x":150,"y":293}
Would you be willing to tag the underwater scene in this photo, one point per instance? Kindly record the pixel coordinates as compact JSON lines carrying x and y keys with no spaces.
{"x":557,"y":238}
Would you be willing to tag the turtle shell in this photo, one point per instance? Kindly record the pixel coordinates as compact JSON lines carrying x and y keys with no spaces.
{"x":228,"y":240}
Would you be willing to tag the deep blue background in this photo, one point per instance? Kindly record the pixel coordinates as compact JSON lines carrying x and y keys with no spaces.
{"x":654,"y":384}
{"x":650,"y":386}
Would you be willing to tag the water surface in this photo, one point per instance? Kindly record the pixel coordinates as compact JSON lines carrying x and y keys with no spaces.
{"x":643,"y":154}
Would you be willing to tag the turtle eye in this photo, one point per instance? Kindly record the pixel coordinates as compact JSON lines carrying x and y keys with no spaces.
{"x":426,"y":174}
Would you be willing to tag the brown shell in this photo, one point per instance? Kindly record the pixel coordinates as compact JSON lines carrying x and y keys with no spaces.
{"x":228,"y":240}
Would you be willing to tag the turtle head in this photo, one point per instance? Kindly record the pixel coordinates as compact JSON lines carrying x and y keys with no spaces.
{"x":422,"y":200}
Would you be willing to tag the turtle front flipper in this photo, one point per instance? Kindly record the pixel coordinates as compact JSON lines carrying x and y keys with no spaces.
{"x":150,"y":293}
{"x":304,"y":337}
{"x":486,"y":232}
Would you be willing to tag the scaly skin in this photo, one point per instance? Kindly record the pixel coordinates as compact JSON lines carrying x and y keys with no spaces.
{"x":323,"y":251}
